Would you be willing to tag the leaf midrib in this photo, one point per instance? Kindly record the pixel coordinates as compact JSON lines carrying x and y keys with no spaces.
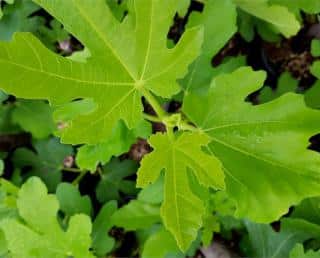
{"x":236,"y":124}
{"x":257,"y":157}
{"x":245,"y":152}
{"x":176,"y":195}
{"x":282,"y":244}
{"x":149,"y":44}
{"x":101,"y":36}
{"x":199,"y":165}
{"x":66,"y":77}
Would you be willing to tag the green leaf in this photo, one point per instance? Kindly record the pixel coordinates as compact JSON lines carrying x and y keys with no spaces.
{"x":102,"y":243}
{"x":279,"y":16}
{"x":308,"y":6}
{"x":3,"y":96}
{"x":309,"y":210}
{"x":221,"y":203}
{"x":65,"y":112}
{"x":312,"y":95}
{"x":34,"y":117}
{"x":50,"y":36}
{"x":298,"y":252}
{"x":267,"y":31}
{"x":315,"y":69}
{"x":17,"y":18}
{"x":229,"y":65}
{"x":161,"y":244}
{"x":6,"y":124}
{"x":3,"y":246}
{"x":152,"y":194}
{"x":183,"y":7}
{"x":8,"y":2}
{"x":40,"y":235}
{"x":8,"y":200}
{"x":211,"y":225}
{"x":70,"y":200}
{"x":46,"y":163}
{"x":113,"y":180}
{"x":223,"y":209}
{"x":315,"y":47}
{"x":136,"y":215}
{"x":264,"y":242}
{"x":246,"y":25}
{"x":216,"y":14}
{"x":301,"y":227}
{"x":118,"y":8}
{"x":80,"y":56}
{"x":257,"y":144}
{"x":1,"y":167}
{"x":89,"y":156}
{"x":286,"y":83}
{"x":176,"y":155}
{"x":115,"y":77}
{"x":218,"y":217}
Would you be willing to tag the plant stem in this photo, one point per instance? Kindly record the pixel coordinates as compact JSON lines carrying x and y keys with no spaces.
{"x":74,"y":170}
{"x":152,"y":118}
{"x":154,"y":104}
{"x":170,"y":132}
{"x":79,"y":177}
{"x":187,"y":127}
{"x":162,"y":114}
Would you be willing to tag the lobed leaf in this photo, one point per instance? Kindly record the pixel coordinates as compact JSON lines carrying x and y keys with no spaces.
{"x":46,"y":163}
{"x":176,"y":155}
{"x":286,"y":83}
{"x":119,"y":142}
{"x":298,"y":252}
{"x":41,"y":235}
{"x":70,"y":200}
{"x":264,"y":242}
{"x":18,"y":17}
{"x":128,"y":59}
{"x":263,"y":149}
{"x":34,"y":117}
{"x":161,"y":244}
{"x":101,"y":241}
{"x":308,"y":6}
{"x":216,"y":14}
{"x":277,"y":15}
{"x":136,"y":215}
{"x":114,"y":180}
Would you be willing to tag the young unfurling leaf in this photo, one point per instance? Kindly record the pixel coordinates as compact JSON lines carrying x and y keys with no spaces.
{"x":177,"y":155}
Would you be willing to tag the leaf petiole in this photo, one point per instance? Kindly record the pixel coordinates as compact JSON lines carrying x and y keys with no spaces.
{"x":185,"y":126}
{"x":77,"y":180}
{"x":73,"y":170}
{"x":154,"y":104}
{"x":152,"y":118}
{"x":164,"y":117}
